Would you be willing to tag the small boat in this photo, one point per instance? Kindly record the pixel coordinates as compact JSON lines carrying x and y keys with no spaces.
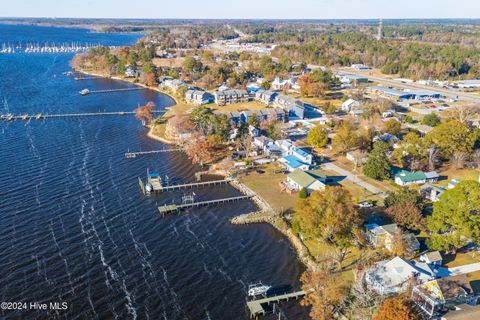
{"x":257,"y":289}
{"x":148,"y":188}
{"x":84,"y":92}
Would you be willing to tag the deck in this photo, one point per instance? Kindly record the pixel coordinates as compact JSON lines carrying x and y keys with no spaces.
{"x":256,"y":306}
{"x":178,"y":207}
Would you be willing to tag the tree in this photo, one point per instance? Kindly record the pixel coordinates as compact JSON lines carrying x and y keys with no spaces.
{"x":199,"y":149}
{"x":303,"y":193}
{"x":378,"y":165}
{"x":396,"y":308}
{"x":403,"y":197}
{"x":392,"y":126}
{"x":402,"y":245}
{"x":458,"y":159}
{"x":411,"y":150}
{"x":328,"y":108}
{"x":325,"y":292}
{"x":455,"y":219}
{"x":431,"y":120}
{"x":407,"y":215}
{"x":317,"y":137}
{"x":145,"y":113}
{"x":346,"y":138}
{"x":452,"y":136}
{"x":328,"y":214}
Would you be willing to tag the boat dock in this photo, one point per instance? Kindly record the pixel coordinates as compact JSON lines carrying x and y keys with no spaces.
{"x":130,"y":155}
{"x":88,"y":78}
{"x":86,"y":91}
{"x":157,"y":185}
{"x":39,"y":116}
{"x":257,"y":307}
{"x":178,"y":207}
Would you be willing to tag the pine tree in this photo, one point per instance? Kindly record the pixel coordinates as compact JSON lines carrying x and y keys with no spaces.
{"x":378,"y":165}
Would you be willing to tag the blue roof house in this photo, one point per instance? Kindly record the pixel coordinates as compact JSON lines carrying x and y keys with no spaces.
{"x":292,"y":163}
{"x":303,"y":155}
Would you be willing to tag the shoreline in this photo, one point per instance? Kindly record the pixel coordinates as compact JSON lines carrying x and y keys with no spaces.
{"x":265,"y":214}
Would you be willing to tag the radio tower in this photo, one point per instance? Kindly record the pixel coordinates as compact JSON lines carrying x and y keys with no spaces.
{"x":380,"y":34}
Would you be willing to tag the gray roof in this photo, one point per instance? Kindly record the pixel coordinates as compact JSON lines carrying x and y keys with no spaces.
{"x":391,"y":92}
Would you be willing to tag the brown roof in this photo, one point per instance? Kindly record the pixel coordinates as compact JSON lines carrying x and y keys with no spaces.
{"x":434,"y":256}
{"x":452,"y":287}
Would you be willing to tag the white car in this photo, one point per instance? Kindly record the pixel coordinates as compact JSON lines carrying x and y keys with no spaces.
{"x":365,"y":204}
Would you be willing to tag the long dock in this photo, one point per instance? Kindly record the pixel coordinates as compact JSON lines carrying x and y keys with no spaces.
{"x":178,"y":207}
{"x":257,"y":307}
{"x":130,"y":155}
{"x":158,"y":187}
{"x":88,"y":78}
{"x":114,"y":90}
{"x":40,"y":116}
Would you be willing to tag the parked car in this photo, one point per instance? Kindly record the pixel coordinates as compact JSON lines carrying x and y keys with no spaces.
{"x":365,"y":204}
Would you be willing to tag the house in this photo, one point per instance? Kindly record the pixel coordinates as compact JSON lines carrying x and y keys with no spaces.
{"x":272,"y":150}
{"x":265,"y":96}
{"x":388,"y":114}
{"x":437,"y":296}
{"x":197,"y":97}
{"x":431,"y":192}
{"x":384,"y":236}
{"x":286,"y":146}
{"x":357,"y":156}
{"x":350,"y":104}
{"x":294,"y":107}
{"x":254,"y":132}
{"x":348,"y":79}
{"x":453,"y":183}
{"x":386,"y":137}
{"x":173,"y":84}
{"x":284,"y":85}
{"x":130,"y":71}
{"x":261,"y":142}
{"x":393,"y":276}
{"x":230,"y":96}
{"x":234,"y":118}
{"x":303,"y":155}
{"x":310,"y":180}
{"x":433,"y":258}
{"x":291,"y":163}
{"x":405,"y":178}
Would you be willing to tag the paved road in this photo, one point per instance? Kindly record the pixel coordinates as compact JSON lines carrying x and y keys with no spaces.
{"x":455,"y":271}
{"x":415,"y":86}
{"x":353,"y":178}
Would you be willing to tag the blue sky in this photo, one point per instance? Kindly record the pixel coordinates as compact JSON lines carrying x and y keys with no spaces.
{"x":255,"y":9}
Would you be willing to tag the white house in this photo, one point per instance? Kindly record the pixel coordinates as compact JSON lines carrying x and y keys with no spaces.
{"x":350,"y":104}
{"x":392,"y":277}
{"x":287,"y":146}
{"x":197,"y":97}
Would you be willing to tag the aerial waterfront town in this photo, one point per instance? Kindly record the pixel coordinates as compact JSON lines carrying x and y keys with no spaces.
{"x":356,"y":141}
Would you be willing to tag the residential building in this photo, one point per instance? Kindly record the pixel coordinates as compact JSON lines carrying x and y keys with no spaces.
{"x":385,"y":236}
{"x":261,"y":142}
{"x":254,"y":132}
{"x":197,"y":97}
{"x":272,"y":150}
{"x":231,"y":96}
{"x":291,"y":163}
{"x":283,"y":85}
{"x":294,"y":107}
{"x":386,"y":137}
{"x":286,"y":146}
{"x":405,"y":178}
{"x":310,"y":180}
{"x":265,"y":96}
{"x":130,"y":71}
{"x":433,"y":258}
{"x":437,"y":296}
{"x":393,"y":276}
{"x":431,"y":192}
{"x":350,"y":104}
{"x":172,"y":84}
{"x":303,"y":155}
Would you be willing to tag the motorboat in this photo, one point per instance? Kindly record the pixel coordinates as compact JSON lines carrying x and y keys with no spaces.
{"x":257,"y":289}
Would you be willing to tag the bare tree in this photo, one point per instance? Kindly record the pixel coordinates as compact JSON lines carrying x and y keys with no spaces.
{"x":464,"y":113}
{"x":432,"y":158}
{"x":364,"y":302}
{"x":458,"y":159}
{"x":476,"y":158}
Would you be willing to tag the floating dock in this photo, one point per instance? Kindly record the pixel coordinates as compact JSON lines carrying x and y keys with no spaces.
{"x":130,"y":155}
{"x":256,"y":307}
{"x":178,"y":207}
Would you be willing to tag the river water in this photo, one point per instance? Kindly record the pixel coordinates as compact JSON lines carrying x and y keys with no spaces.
{"x":75,"y":227}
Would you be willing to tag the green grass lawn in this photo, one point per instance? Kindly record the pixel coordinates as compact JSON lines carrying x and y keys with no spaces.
{"x":266,"y":185}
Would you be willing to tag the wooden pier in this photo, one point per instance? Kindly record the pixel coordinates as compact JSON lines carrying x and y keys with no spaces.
{"x":130,"y":155}
{"x":112,"y":90}
{"x":88,"y":78}
{"x":158,"y":186}
{"x":41,"y":116}
{"x":178,"y":207}
{"x":257,"y":307}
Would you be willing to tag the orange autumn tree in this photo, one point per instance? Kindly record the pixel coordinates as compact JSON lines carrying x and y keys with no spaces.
{"x":396,"y":308}
{"x":199,"y":149}
{"x":145,"y":113}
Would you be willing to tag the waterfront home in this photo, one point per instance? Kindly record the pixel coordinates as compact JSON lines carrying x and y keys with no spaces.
{"x":393,"y":276}
{"x":431,"y":192}
{"x":384,"y":236}
{"x":310,"y":180}
{"x":433,"y":258}
{"x":350,"y":104}
{"x":231,"y":96}
{"x":172,"y":84}
{"x":438,"y":296}
{"x":130,"y":71}
{"x":294,"y":107}
{"x":291,"y":163}
{"x":197,"y":97}
{"x":405,"y":178}
{"x":265,"y":96}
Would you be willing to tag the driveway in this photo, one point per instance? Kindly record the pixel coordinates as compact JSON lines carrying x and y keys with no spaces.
{"x":455,"y":271}
{"x":353,"y":178}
